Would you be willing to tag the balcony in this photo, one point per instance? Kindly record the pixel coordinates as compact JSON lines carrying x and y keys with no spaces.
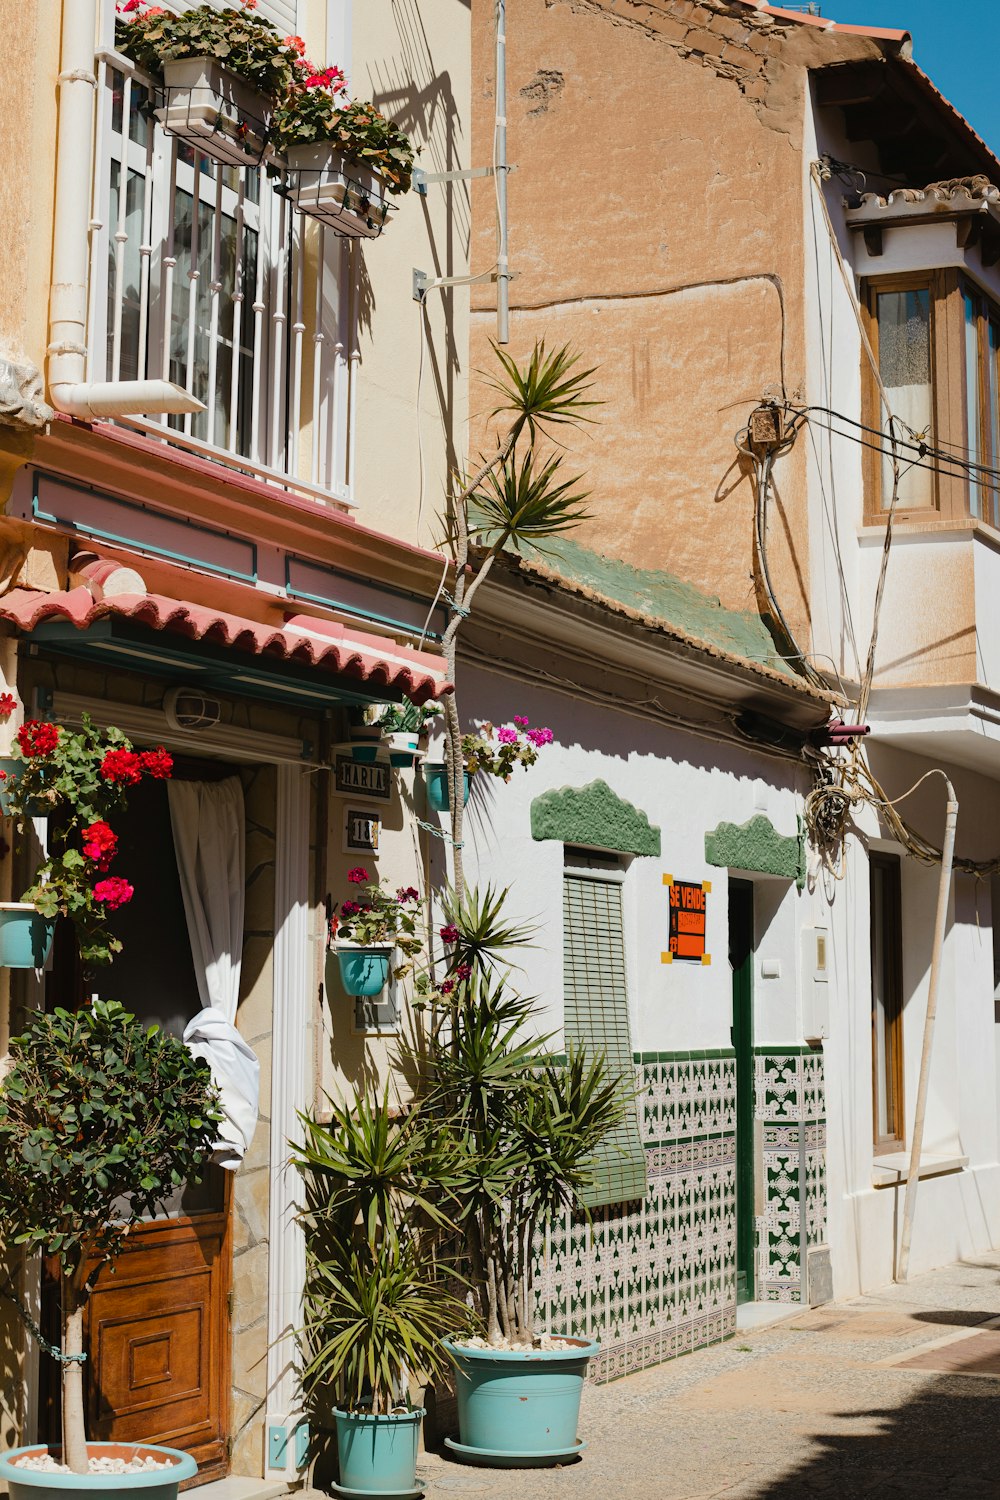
{"x":205,"y":275}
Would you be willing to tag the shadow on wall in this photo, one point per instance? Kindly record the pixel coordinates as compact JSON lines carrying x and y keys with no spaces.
{"x":411,"y":90}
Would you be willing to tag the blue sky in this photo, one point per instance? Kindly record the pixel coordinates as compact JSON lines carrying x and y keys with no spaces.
{"x":956,"y":41}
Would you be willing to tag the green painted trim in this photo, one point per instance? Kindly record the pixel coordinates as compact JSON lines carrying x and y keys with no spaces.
{"x":805,"y":1051}
{"x":595,"y":817}
{"x":704,"y":1056}
{"x":757,"y":845}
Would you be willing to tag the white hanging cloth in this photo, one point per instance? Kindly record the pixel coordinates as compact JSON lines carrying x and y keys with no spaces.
{"x":208,"y":824}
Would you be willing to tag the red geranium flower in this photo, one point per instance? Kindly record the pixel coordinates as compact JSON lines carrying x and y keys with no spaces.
{"x":358,"y":876}
{"x":122,"y":765}
{"x":158,"y":763}
{"x":450,"y":933}
{"x":37,"y":737}
{"x":99,"y":844}
{"x":113,"y":892}
{"x":8,"y":703}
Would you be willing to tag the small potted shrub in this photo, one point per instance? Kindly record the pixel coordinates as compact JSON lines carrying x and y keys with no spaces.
{"x":100,"y":1120}
{"x":378,"y":1300}
{"x":492,"y":752}
{"x":365,"y":933}
{"x":517,"y":1131}
{"x":344,"y":159}
{"x":221,"y":72}
{"x":402,"y":724}
{"x":80,"y":779}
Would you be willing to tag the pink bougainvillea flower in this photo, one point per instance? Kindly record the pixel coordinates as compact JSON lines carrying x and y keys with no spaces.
{"x":507,"y":736}
{"x":122,"y":765}
{"x":358,"y":876}
{"x":450,"y":933}
{"x":539,"y":737}
{"x":8,"y":703}
{"x":99,"y":844}
{"x":37,"y":737}
{"x":113,"y":892}
{"x":521,"y":721}
{"x":158,"y":763}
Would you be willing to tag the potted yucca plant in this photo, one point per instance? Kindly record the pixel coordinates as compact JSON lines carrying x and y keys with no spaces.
{"x":378,"y":1299}
{"x":100,"y":1120}
{"x":516,"y":1131}
{"x":221,"y":72}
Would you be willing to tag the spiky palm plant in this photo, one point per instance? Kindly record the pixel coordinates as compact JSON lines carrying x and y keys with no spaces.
{"x":516,"y":502}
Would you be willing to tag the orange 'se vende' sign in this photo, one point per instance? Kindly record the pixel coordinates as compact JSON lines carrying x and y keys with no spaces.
{"x":688,"y":902}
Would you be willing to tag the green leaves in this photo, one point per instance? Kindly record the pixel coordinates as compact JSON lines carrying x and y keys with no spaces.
{"x":357,"y":129}
{"x":523,"y":505}
{"x":548,"y":392}
{"x":99,"y":1120}
{"x":246,"y":44}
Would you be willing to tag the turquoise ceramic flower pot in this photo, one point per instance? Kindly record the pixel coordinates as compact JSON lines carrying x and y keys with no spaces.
{"x":364,"y":971}
{"x":436,"y":778}
{"x":378,"y":1454}
{"x":525,"y":1406}
{"x":154,"y":1484}
{"x":25,"y":936}
{"x":403,"y":748}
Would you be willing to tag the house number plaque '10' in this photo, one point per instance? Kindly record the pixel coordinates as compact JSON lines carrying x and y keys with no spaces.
{"x":688,"y":911}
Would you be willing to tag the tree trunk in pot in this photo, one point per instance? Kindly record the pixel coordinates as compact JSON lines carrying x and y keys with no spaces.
{"x":73,"y":1427}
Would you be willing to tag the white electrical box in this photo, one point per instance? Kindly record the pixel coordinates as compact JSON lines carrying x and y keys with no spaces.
{"x":815,"y":984}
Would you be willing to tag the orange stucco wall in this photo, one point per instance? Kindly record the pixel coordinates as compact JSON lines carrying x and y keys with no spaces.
{"x":656,"y":224}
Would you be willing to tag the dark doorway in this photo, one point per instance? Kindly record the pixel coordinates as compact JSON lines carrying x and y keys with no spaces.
{"x":741,"y":963}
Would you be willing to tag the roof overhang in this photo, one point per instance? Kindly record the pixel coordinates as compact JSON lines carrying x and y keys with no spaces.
{"x":304,"y":661}
{"x":593,"y":647}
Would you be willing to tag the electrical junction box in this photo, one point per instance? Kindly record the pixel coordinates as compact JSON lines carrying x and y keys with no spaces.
{"x":815,"y":983}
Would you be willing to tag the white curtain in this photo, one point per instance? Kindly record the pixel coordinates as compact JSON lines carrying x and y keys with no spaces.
{"x":209,"y":843}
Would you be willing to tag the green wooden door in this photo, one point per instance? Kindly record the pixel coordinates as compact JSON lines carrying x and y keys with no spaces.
{"x":741,"y":963}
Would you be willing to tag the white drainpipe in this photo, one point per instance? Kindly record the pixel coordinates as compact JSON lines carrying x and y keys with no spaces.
{"x":69,"y":390}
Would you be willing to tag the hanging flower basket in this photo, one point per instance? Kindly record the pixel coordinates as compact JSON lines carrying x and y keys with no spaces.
{"x":436,"y":781}
{"x":326,"y":186}
{"x":217,"y":113}
{"x":364,"y":971}
{"x":25,"y":936}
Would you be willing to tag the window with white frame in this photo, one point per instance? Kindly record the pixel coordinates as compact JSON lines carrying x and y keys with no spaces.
{"x":204,"y":275}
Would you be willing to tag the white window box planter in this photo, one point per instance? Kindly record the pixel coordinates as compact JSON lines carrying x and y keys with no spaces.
{"x":214,"y":111}
{"x":325,"y":186}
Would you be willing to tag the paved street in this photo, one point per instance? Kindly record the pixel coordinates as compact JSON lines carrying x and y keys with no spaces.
{"x":893,"y":1394}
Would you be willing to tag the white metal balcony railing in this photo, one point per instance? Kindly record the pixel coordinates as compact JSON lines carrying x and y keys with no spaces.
{"x":206,"y":276}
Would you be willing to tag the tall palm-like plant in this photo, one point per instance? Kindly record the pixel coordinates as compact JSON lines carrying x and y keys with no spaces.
{"x":515,"y":501}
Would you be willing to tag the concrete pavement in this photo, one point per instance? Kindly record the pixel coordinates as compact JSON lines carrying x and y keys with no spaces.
{"x":896,"y":1393}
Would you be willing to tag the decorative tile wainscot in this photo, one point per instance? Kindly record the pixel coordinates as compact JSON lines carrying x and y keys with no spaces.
{"x":656,"y":1277}
{"x":791,"y":1108}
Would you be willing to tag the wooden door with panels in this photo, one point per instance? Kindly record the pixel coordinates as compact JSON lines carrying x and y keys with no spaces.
{"x":158,"y":1325}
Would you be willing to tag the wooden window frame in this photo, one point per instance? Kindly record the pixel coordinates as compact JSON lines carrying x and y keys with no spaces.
{"x":987,"y":312}
{"x":871,"y":404}
{"x":952,"y":493}
{"x":892,"y":938}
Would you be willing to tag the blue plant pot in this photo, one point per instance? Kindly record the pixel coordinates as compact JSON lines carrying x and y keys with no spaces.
{"x":153,"y":1484}
{"x":364,"y":971}
{"x":403,"y":748}
{"x":522,"y":1407}
{"x":25,"y":936}
{"x":436,"y":779}
{"x":378,"y":1454}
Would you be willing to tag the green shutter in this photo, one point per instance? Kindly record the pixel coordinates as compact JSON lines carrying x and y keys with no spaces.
{"x":596,"y":1018}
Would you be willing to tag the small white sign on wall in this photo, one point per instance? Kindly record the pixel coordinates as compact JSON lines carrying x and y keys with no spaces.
{"x":362,"y":830}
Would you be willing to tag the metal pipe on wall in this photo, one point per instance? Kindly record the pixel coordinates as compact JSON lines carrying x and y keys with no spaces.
{"x":500,"y":168}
